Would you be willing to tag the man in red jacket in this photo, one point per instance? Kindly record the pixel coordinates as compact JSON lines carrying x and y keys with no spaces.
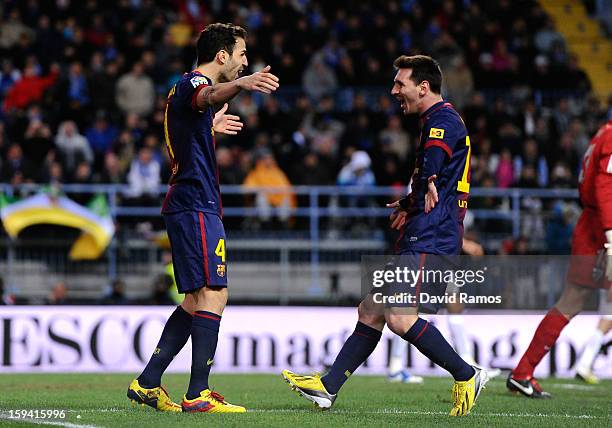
{"x":29,"y":89}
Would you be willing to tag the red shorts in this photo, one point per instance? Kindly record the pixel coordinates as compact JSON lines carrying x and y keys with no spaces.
{"x":587,"y":243}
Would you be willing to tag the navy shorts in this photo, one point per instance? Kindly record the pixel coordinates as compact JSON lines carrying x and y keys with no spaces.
{"x":197,"y":240}
{"x":424,"y":293}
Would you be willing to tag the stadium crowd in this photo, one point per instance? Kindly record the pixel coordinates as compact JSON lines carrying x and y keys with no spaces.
{"x":83,"y":87}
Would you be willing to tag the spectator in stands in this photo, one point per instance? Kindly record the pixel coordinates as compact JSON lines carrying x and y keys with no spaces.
{"x":112,"y":173}
{"x":135,"y":92}
{"x":53,"y":173}
{"x":37,"y":143}
{"x":5,"y":298}
{"x":152,"y":142}
{"x":546,"y":38}
{"x":229,"y":171}
{"x":9,"y":75}
{"x":319,"y":79}
{"x":58,"y":294}
{"x":101,"y":137}
{"x":567,"y":154}
{"x":504,"y":175}
{"x":116,"y":296}
{"x":357,"y":172}
{"x":82,"y":175}
{"x":15,"y":163}
{"x":394,"y":139}
{"x":531,"y":168}
{"x":144,"y":178}
{"x":77,"y":90}
{"x":267,"y":173}
{"x":561,"y":176}
{"x":575,"y":77}
{"x":161,"y":290}
{"x":102,"y":83}
{"x":578,"y":135}
{"x":73,"y":147}
{"x":12,"y":30}
{"x":125,"y":149}
{"x":560,"y":227}
{"x":459,"y":82}
{"x":562,"y":116}
{"x":29,"y":89}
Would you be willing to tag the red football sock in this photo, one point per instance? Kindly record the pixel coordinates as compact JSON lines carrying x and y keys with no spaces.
{"x":544,"y":338}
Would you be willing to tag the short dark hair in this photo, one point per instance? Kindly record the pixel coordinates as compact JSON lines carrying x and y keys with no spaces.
{"x":216,"y":37}
{"x":423,"y":68}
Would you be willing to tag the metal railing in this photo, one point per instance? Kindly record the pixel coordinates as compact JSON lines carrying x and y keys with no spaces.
{"x":313,"y":239}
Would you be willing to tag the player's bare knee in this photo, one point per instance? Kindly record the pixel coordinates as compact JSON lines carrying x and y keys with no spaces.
{"x":188,"y":303}
{"x":370,"y":316}
{"x":400,"y":323}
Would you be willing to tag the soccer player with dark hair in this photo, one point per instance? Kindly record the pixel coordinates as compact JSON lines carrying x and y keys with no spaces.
{"x":587,"y":272}
{"x":430,"y":220}
{"x":192,"y":212}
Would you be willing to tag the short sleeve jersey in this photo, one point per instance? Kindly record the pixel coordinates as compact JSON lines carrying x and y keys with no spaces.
{"x":190,"y":141}
{"x":443,"y":136}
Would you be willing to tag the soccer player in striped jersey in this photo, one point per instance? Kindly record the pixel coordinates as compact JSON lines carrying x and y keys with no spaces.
{"x":193,"y":215}
{"x":430,"y":220}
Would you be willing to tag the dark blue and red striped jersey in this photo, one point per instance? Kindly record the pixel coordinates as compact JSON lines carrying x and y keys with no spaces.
{"x":444,"y":150}
{"x":190,"y":141}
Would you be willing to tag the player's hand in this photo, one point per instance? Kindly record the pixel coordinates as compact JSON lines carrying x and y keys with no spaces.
{"x":398,"y":216}
{"x":472,"y":248}
{"x":261,"y":81}
{"x":431,"y":197}
{"x":226,"y":123}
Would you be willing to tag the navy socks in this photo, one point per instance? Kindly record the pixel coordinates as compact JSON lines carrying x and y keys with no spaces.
{"x":428,"y":339}
{"x":204,"y":335}
{"x":355,"y":351}
{"x":173,"y":338}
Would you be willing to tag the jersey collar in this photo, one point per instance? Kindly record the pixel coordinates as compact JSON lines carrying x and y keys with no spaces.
{"x":434,"y":108}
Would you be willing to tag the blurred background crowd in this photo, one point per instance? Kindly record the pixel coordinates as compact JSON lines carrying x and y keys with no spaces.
{"x":83,"y":86}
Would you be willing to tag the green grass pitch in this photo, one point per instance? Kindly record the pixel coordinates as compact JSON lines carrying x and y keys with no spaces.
{"x":365,"y":401}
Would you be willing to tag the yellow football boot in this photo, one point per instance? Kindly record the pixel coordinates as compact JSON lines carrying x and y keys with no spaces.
{"x":311,"y":388}
{"x":210,"y":402}
{"x":157,"y":398}
{"x":465,"y":393}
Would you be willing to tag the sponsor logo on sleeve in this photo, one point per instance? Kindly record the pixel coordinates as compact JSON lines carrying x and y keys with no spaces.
{"x":436,"y":133}
{"x":198,"y":80}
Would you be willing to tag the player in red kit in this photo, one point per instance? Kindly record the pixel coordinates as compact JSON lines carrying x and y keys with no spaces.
{"x":591,"y":245}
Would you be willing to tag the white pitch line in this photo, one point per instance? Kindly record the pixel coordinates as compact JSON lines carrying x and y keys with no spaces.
{"x":433,"y":413}
{"x":43,"y":422}
{"x":376,"y":412}
{"x":573,"y":386}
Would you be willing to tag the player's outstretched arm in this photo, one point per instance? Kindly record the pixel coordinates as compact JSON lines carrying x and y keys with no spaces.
{"x":226,"y":123}
{"x":261,"y":81}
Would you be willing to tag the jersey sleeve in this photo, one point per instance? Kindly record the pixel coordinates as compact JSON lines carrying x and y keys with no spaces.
{"x":603,"y":180}
{"x":187,"y":90}
{"x":442,"y":135}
